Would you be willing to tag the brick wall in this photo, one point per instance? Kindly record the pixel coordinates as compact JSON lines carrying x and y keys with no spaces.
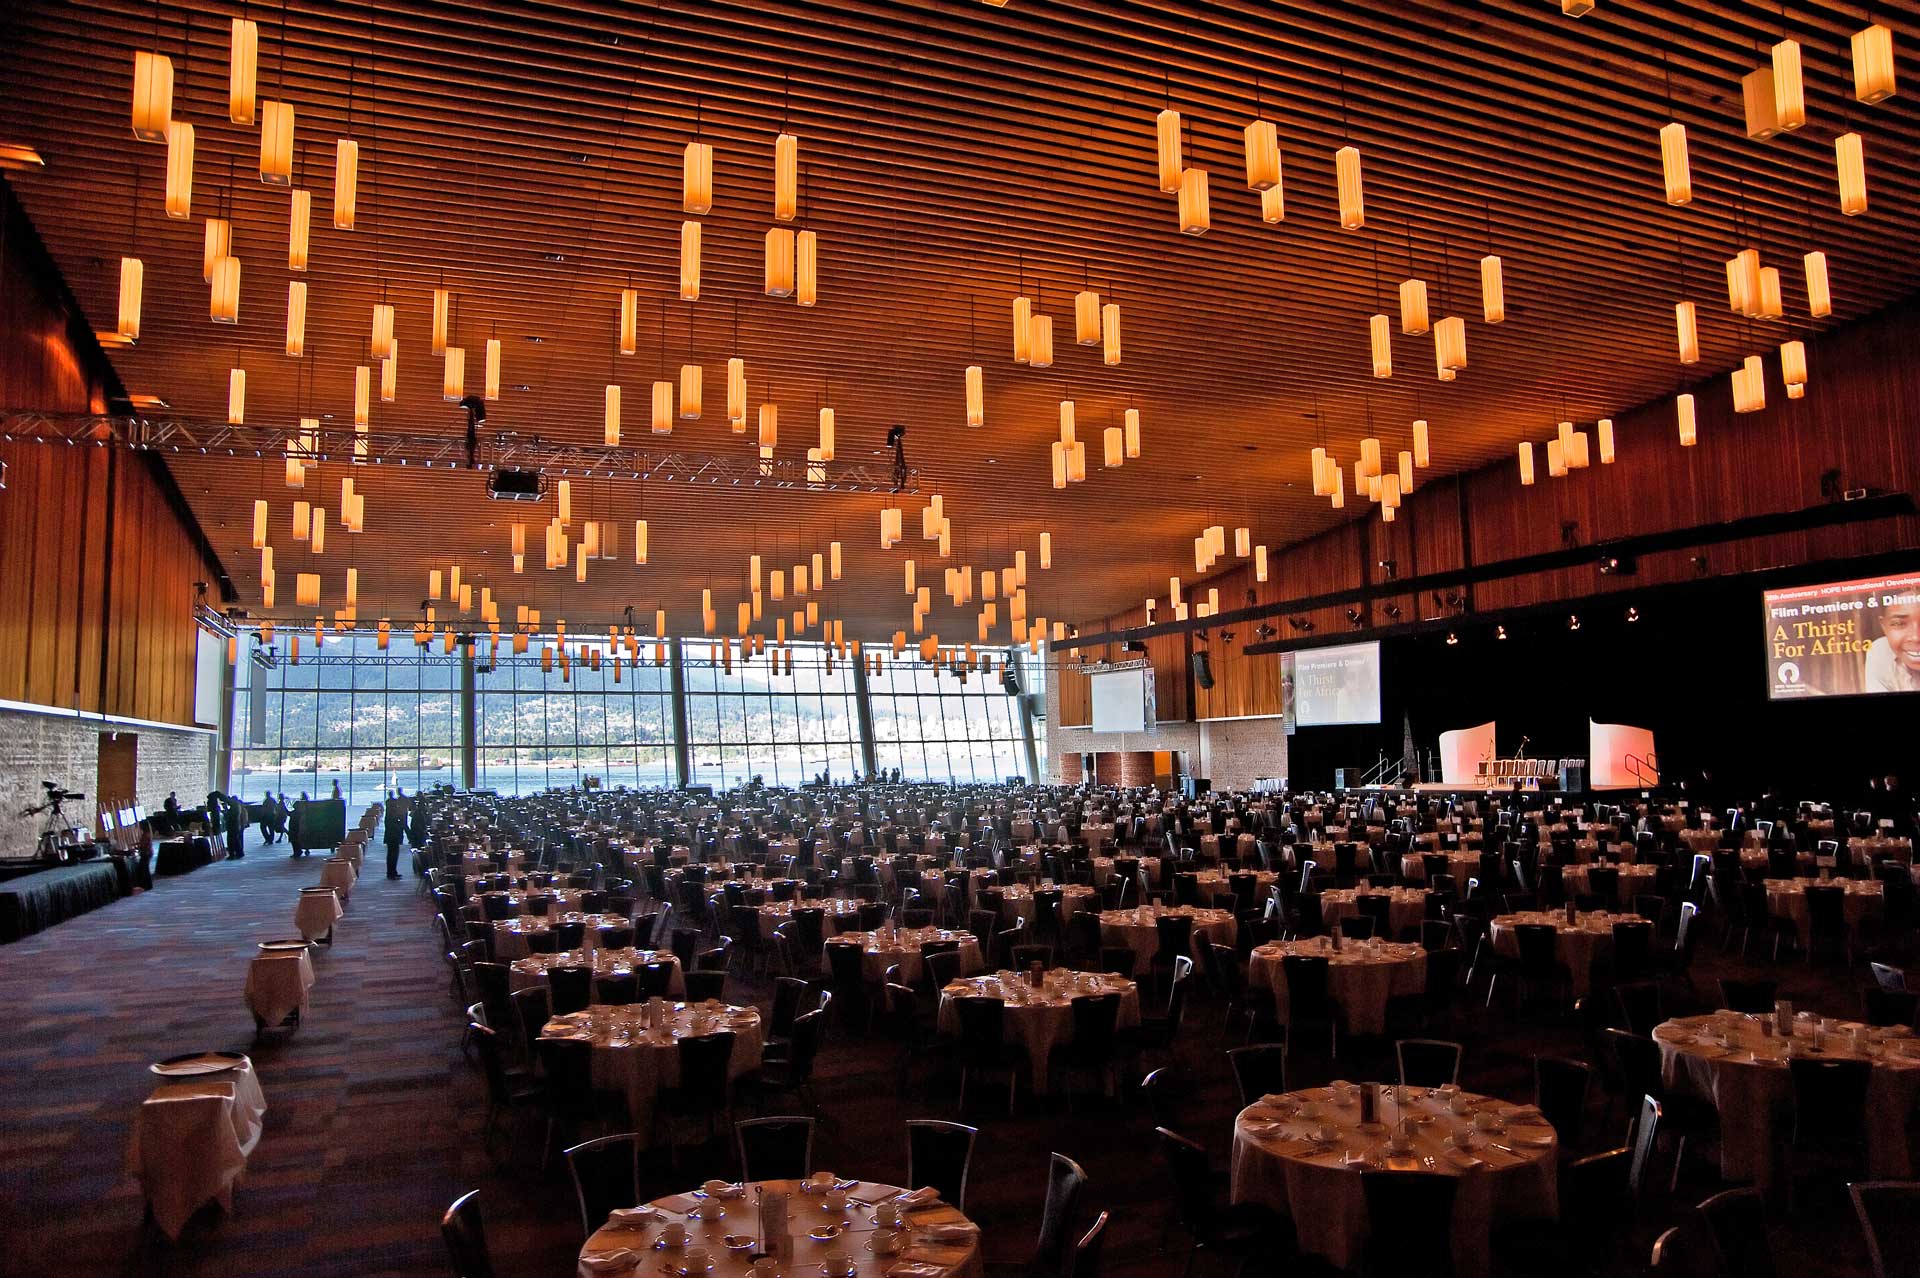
{"x":59,"y":748}
{"x":1238,"y":751}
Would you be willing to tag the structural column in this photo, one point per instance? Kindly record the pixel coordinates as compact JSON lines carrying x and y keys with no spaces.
{"x":864,"y":702}
{"x":469,"y":748}
{"x":682,"y":763}
{"x":1025,"y":701}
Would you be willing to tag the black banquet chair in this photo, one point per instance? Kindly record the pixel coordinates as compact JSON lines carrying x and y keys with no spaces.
{"x":606,"y":1176}
{"x":939,"y":1154}
{"x":1407,"y":1214}
{"x":779,"y":1148}
{"x":1889,"y":1212}
{"x":465,"y":1237}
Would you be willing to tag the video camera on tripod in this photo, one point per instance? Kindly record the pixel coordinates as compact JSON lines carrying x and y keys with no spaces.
{"x":56,"y":835}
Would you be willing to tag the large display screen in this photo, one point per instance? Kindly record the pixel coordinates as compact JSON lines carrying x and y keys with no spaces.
{"x":1123,"y":701}
{"x":1333,"y":685}
{"x":1844,"y":638}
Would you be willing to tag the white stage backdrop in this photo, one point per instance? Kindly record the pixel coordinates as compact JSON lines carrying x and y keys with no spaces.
{"x":1608,"y":747}
{"x":1461,"y":752}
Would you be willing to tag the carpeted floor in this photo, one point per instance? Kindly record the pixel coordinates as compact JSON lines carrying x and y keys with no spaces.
{"x":374,"y":1118}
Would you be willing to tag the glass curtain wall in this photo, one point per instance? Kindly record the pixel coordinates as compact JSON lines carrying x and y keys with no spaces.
{"x":539,"y":729}
{"x":784,"y":729}
{"x":351,"y":715}
{"x":933,"y":725}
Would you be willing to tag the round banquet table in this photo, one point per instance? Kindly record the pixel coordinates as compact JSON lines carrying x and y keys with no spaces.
{"x":902,"y":947}
{"x":1039,"y":1019}
{"x":1016,"y":901}
{"x":939,"y":1237}
{"x":1730,"y":1059}
{"x":1138,"y":929}
{"x":510,"y":935}
{"x":1863,"y":850}
{"x":1406,"y":911}
{"x":561,"y":899}
{"x":531,"y":972}
{"x":1214,"y":882}
{"x":1361,"y":976}
{"x":1507,"y":1173}
{"x":1634,"y":880}
{"x":833,"y":911}
{"x":1577,"y":945}
{"x":637,"y":1061}
{"x":1149,"y":867}
{"x":1461,"y":865}
{"x":1787,"y":899}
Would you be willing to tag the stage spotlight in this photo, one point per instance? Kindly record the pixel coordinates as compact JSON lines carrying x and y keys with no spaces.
{"x":1633,"y":614}
{"x":1499,"y":632}
{"x":1573,"y":621}
{"x":1356,"y":618}
{"x":1452,"y":638}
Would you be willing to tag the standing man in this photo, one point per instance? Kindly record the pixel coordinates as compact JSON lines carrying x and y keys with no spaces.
{"x":417,"y":823}
{"x":395,"y":829}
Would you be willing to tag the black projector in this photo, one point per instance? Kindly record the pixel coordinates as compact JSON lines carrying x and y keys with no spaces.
{"x":514,"y":485}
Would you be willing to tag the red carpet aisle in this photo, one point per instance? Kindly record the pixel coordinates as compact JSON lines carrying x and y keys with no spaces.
{"x":371,"y":1125}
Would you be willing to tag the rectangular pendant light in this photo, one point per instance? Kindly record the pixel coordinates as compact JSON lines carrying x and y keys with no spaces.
{"x":453,"y":386}
{"x":491,"y":389}
{"x":1674,"y":166}
{"x":296,"y":317}
{"x":1067,"y":410}
{"x":737,"y":395}
{"x":381,"y":343}
{"x":1046,"y":550}
{"x":442,"y":304}
{"x":1022,"y":330}
{"x":237,"y":397}
{"x":1131,"y":428}
{"x":1756,"y":91}
{"x":1422,"y":456}
{"x":786,"y":176}
{"x":1110,"y":333}
{"x":1687,"y":330}
{"x":1322,"y":473}
{"x":276,"y":143}
{"x":1353,"y":209}
{"x":689,"y":261}
{"x":218,"y":244}
{"x":696,"y":179}
{"x":1450,"y":343}
{"x":179,"y":170}
{"x":1556,"y":459}
{"x":629,"y":320}
{"x":346,"y":183}
{"x":260,"y":524}
{"x":1493,"y":290}
{"x":224,"y":305}
{"x":1526,"y":463}
{"x":1166,"y":128}
{"x":1789,"y":90}
{"x":1406,"y":470}
{"x":1195,"y":219}
{"x":132,"y":280}
{"x":640,"y":557}
{"x":1058,"y":453}
{"x":243,"y":66}
{"x":152,"y":96}
{"x":1380,"y":334}
{"x":662,"y":415}
{"x":1819,"y":299}
{"x":1114,"y":447}
{"x":1873,"y":64}
{"x":306,"y":592}
{"x":390,"y":374}
{"x":1413,"y":307}
{"x":1851,"y":162}
{"x":1683,"y":414}
{"x":1086,"y":317}
{"x":692,"y":386}
{"x":1793,"y":363}
{"x":1040,"y":345}
{"x":1771,"y":305}
{"x":826,"y":434}
{"x":976,"y":396}
{"x":769,"y":425}
{"x":1273,"y":204}
{"x":610,"y":430}
{"x":1603,"y":430}
{"x":806,"y":265}
{"x":299,"y":228}
{"x":1263,"y":156}
{"x":779,"y":272}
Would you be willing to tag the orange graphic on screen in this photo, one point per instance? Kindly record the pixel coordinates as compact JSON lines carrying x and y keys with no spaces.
{"x":1844,"y":638}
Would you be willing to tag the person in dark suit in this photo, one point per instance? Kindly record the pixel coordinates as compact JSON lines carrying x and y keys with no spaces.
{"x":417,"y":824}
{"x":395,"y":831}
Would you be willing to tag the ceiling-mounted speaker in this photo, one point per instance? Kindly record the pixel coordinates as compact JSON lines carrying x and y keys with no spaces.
{"x":1009,"y":681}
{"x":1202,"y":670}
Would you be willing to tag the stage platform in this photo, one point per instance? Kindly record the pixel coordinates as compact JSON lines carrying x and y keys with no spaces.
{"x":31,"y":902}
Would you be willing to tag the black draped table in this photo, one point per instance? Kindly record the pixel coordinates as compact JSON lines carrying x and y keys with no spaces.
{"x":38,"y":900}
{"x":186,"y":854}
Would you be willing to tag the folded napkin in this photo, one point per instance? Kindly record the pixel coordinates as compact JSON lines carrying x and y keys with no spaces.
{"x":629,"y":1217}
{"x":608,"y":1262}
{"x":925,"y":1196}
{"x":934,"y":1254}
{"x":945,"y":1233}
{"x":916,"y":1269}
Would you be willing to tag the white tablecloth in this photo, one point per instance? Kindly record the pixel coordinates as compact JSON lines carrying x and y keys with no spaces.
{"x":1139,"y":931}
{"x":1749,"y":1084}
{"x":1361,"y":976}
{"x":1275,"y":1164}
{"x":315,"y":914}
{"x":191,"y":1140}
{"x":639,"y":1062}
{"x":834,"y":911}
{"x":1787,"y":899}
{"x":1634,"y":880}
{"x":510,"y":935}
{"x":1040,"y":1019}
{"x":339,"y":875}
{"x":903,"y":949}
{"x":1576,"y":946}
{"x":954,"y":1254}
{"x":1407,"y":910}
{"x":531,"y":972}
{"x":277,"y":985}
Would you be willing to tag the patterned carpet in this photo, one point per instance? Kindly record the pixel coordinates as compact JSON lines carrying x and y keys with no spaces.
{"x":373,"y":1121}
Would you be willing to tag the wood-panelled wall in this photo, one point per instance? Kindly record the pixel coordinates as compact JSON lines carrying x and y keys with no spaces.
{"x":1859,"y":418}
{"x":96,"y":568}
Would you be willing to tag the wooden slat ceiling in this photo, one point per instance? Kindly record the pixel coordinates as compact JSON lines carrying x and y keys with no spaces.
{"x":954,"y":153}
